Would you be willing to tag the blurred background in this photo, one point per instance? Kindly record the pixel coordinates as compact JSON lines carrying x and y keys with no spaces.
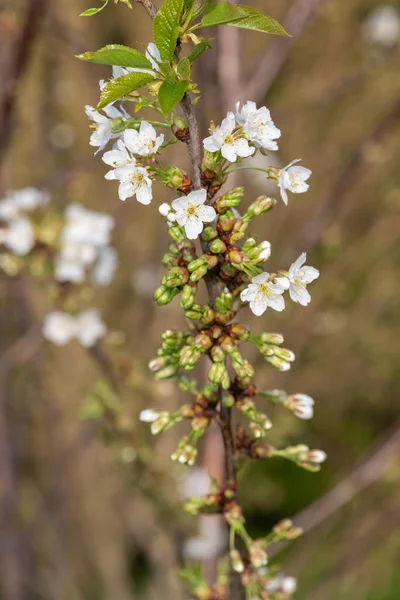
{"x":83,"y":519}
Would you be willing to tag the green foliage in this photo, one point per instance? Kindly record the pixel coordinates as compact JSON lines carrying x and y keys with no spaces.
{"x":199,"y":49}
{"x":166,"y":27}
{"x":245,"y":17}
{"x":93,"y":11}
{"x":258,"y":21}
{"x":117,"y":55}
{"x":170,"y":93}
{"x":117,"y":88}
{"x":222,"y":13}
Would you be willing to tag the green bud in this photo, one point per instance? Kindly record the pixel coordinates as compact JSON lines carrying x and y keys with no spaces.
{"x":196,"y":264}
{"x":188,"y":296}
{"x":284,"y":354}
{"x":198,"y":273}
{"x":203,"y":341}
{"x":173,"y":177}
{"x":167,"y":372}
{"x":195,"y":313}
{"x":218,"y":373}
{"x":230,"y":199}
{"x":238,"y":231}
{"x":228,"y":270}
{"x":217,"y":354}
{"x":226,"y":221}
{"x":177,"y":276}
{"x":272,"y":338}
{"x":228,"y":399}
{"x":210,"y":392}
{"x":223,"y":303}
{"x":217,"y":246}
{"x":164,"y":295}
{"x":208,"y":234}
{"x":188,"y":357}
{"x":177,"y":233}
{"x":240,"y":331}
{"x":208,"y":316}
{"x":262,"y":205}
{"x":278,"y":363}
{"x":169,"y":260}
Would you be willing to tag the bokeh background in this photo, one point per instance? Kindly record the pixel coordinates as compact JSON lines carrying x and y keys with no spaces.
{"x":86,"y":518}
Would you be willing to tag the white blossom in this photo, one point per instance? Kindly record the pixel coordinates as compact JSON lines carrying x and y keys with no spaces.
{"x":258,"y":125}
{"x":89,"y":328}
{"x":299,"y":277}
{"x":262,"y":293}
{"x":293,"y":178}
{"x":226,"y":140}
{"x":133,"y":181}
{"x":152,"y":54}
{"x":143,"y":142}
{"x":382,"y":26}
{"x":192,"y":212}
{"x":59,"y":327}
{"x":102,"y":133}
{"x":149,"y":415}
{"x":20,"y":236}
{"x":302,"y":405}
{"x":117,"y":157}
{"x":265,"y":252}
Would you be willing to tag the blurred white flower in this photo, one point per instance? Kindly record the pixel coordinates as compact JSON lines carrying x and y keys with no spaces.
{"x":258,"y":125}
{"x":20,"y":236}
{"x":225,"y":140}
{"x":104,"y":269}
{"x":382,"y":26}
{"x":280,"y":583}
{"x":302,"y":405}
{"x":18,"y":201}
{"x":192,"y":212}
{"x":89,"y":328}
{"x":59,"y":327}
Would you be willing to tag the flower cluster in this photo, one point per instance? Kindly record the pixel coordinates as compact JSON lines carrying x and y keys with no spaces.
{"x":84,"y":242}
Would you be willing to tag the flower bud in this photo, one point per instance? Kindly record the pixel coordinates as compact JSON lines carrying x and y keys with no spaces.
{"x":223,"y":302}
{"x":217,"y":246}
{"x":160,"y":424}
{"x":164,"y":209}
{"x":198,"y":274}
{"x":226,"y":221}
{"x":236,"y":561}
{"x":230,"y":199}
{"x":177,"y":233}
{"x":238,"y":231}
{"x":203,"y":341}
{"x":301,"y":405}
{"x":167,"y":372}
{"x":284,"y":354}
{"x":228,"y":399}
{"x":239,"y":331}
{"x":258,"y":556}
{"x":219,"y":375}
{"x":278,"y":363}
{"x":187,"y":296}
{"x":209,"y":233}
{"x":217,"y":354}
{"x":157,"y":363}
{"x":262,"y":205}
{"x":196,"y":264}
{"x":164,"y":295}
{"x":177,"y":276}
{"x":272,"y":338}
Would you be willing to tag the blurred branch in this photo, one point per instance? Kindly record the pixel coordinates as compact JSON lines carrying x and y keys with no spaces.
{"x":20,"y":58}
{"x":300,"y":16}
{"x":311,"y":232}
{"x":366,"y":472}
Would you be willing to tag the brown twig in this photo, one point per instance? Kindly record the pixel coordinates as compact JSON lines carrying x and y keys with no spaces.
{"x":21,"y":53}
{"x":149,"y":7}
{"x":300,"y":16}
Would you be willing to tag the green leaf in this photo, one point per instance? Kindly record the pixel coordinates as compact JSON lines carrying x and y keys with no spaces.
{"x":222,"y":13}
{"x":184,"y":69}
{"x":170,"y":93}
{"x":166,"y":27}
{"x":258,"y":21}
{"x":199,"y":49}
{"x":117,"y":88}
{"x":117,"y":55}
{"x":93,"y":11}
